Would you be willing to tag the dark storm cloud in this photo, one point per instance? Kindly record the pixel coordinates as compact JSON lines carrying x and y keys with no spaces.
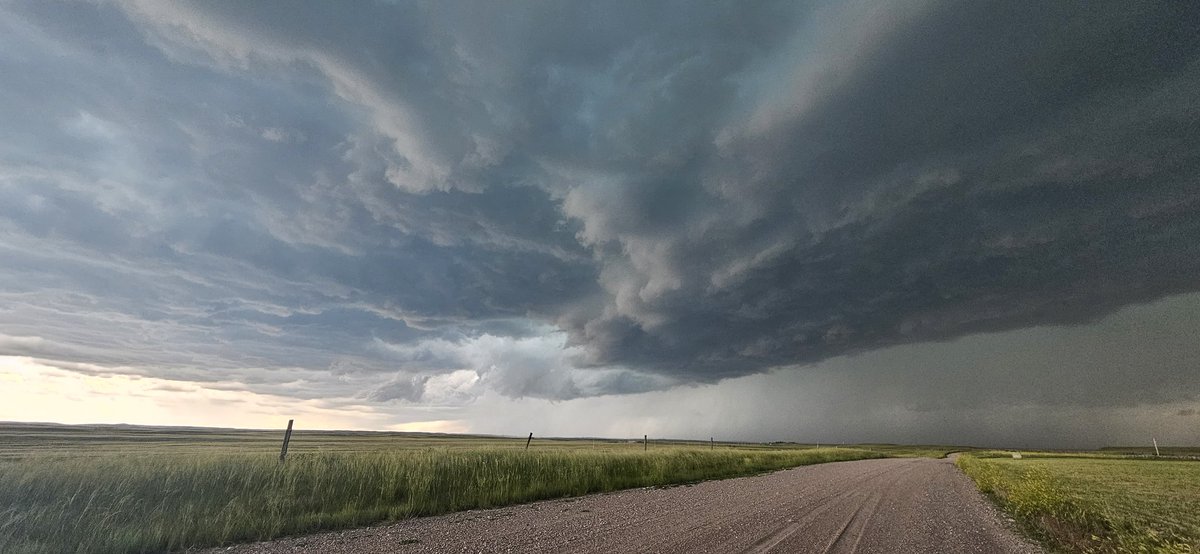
{"x":984,"y":167}
{"x":400,"y":388}
{"x":424,"y":201}
{"x":1120,"y":381}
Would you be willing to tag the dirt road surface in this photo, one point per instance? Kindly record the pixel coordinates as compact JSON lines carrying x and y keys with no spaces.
{"x":892,"y":505}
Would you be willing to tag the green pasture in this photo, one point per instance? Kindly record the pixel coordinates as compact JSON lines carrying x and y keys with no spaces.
{"x":1106,"y":501}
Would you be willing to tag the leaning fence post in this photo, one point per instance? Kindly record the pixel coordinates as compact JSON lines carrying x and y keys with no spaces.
{"x":287,"y":436}
{"x":528,"y":440}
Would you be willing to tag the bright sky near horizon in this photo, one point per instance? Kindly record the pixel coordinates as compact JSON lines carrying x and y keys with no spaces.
{"x":818,"y":221}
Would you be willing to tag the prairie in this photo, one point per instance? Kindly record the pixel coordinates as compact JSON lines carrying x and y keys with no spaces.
{"x":124,"y":489}
{"x":1089,"y":503}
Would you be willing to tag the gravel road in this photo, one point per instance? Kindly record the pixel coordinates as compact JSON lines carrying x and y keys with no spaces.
{"x":891,"y":505}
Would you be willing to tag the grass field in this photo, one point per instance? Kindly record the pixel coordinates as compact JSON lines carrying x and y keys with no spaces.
{"x":1174,"y":451}
{"x":134,"y":489}
{"x":1089,"y":503}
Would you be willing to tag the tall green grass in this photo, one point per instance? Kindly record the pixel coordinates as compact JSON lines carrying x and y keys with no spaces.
{"x":163,"y":502}
{"x":1082,"y":504}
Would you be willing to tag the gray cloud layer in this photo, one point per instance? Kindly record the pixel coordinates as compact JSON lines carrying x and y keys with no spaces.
{"x":568,"y":201}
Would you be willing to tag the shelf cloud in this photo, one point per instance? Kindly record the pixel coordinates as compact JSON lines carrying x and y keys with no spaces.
{"x":435,"y":204}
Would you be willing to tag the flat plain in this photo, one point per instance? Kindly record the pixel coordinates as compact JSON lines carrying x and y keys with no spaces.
{"x":138,"y":489}
{"x":1102,"y":502}
{"x":147,"y":489}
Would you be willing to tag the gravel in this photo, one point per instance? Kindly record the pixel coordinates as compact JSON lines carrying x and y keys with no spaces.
{"x":889,"y":505}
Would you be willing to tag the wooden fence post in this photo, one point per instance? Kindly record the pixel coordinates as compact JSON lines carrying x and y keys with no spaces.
{"x":711,"y":445}
{"x":528,"y":440}
{"x":287,"y":436}
{"x":645,"y":443}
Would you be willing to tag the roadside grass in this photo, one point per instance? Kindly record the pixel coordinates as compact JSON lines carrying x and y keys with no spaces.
{"x":1089,"y":503}
{"x":150,"y":503}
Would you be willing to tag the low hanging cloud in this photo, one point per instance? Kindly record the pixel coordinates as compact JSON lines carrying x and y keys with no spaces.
{"x":428,"y":203}
{"x":539,"y":366}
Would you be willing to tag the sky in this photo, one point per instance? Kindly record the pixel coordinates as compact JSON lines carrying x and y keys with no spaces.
{"x":829,"y":221}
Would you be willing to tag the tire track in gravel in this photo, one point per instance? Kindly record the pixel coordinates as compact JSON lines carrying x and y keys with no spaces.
{"x":816,"y":507}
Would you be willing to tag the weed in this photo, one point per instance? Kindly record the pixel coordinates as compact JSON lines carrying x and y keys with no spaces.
{"x":170,"y":502}
{"x":1095,"y":504}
